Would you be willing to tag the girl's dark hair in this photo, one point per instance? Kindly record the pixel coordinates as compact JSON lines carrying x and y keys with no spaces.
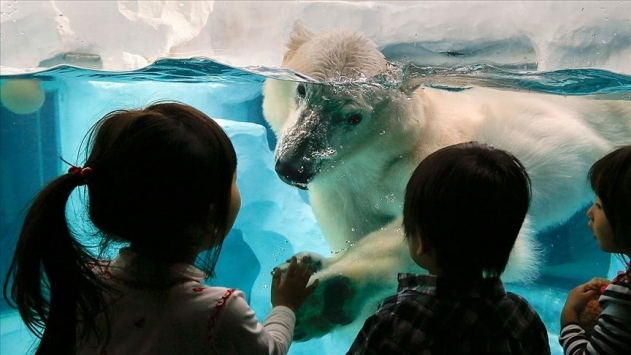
{"x":610,"y":178}
{"x":161,"y":181}
{"x":469,"y":202}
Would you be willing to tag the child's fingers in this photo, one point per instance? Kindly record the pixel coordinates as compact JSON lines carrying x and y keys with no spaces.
{"x":308,"y":271}
{"x":293,"y":264}
{"x":584,"y":287}
{"x":304,"y":262}
{"x":276,"y":277}
{"x":310,"y":268}
{"x":313,"y":286}
{"x":583,"y":290}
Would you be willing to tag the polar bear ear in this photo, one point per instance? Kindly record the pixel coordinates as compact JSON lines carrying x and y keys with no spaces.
{"x":298,"y":36}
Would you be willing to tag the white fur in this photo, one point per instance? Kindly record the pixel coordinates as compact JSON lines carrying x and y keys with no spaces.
{"x":362,"y":171}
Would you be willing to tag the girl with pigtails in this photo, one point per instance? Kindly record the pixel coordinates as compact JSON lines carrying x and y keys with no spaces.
{"x":161,"y":180}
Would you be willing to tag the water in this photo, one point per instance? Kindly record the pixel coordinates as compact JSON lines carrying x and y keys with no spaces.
{"x":264,"y":234}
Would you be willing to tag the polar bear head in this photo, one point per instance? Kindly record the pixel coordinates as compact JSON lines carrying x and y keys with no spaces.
{"x":322,"y":123}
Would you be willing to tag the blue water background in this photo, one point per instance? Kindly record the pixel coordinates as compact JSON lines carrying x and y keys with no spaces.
{"x":275,"y":220}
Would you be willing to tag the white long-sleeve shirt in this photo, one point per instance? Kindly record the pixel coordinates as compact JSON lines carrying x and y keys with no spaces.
{"x":183,"y":316}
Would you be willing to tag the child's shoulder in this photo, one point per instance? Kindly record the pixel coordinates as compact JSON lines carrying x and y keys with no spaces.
{"x":515,"y":298}
{"x":201,"y":291}
{"x":201,"y":297}
{"x":515,"y":301}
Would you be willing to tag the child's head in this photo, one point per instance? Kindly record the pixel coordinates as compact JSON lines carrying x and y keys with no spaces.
{"x":467,"y":203}
{"x":161,"y":179}
{"x":610,"y":178}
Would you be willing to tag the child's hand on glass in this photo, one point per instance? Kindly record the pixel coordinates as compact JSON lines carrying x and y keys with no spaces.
{"x":291,"y":290}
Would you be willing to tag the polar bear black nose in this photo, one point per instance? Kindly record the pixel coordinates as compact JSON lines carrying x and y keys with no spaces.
{"x":294,"y":173}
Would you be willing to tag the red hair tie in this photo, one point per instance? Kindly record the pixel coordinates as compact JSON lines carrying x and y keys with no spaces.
{"x":83,"y":173}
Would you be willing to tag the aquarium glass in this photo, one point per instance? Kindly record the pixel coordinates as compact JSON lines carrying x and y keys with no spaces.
{"x":67,"y":63}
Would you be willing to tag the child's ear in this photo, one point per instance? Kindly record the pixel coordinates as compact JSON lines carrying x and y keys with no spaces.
{"x":424,"y":245}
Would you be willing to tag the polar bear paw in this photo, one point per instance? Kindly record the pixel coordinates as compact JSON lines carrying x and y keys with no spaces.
{"x":325,"y":309}
{"x":317,"y":261}
{"x":328,"y":306}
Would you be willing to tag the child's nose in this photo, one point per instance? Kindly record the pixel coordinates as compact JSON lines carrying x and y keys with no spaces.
{"x":590,"y":212}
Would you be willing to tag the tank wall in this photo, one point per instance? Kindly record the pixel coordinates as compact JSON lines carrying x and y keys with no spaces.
{"x":275,"y":221}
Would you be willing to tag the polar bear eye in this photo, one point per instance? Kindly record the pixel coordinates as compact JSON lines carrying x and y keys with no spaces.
{"x":354,"y":119}
{"x":301,"y":90}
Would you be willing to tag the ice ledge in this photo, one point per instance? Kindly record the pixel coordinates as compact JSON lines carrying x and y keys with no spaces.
{"x":126,"y":35}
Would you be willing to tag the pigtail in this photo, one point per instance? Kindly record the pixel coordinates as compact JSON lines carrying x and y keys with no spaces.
{"x":53,"y":285}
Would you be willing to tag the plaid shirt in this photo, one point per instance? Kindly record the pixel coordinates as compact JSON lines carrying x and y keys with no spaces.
{"x":436,"y":315}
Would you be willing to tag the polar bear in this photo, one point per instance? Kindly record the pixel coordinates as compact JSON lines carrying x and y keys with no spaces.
{"x":354,"y":142}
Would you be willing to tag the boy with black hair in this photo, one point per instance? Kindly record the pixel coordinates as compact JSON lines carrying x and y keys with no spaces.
{"x":464,"y":206}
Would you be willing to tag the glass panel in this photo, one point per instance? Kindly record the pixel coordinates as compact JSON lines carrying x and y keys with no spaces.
{"x":67,"y":63}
